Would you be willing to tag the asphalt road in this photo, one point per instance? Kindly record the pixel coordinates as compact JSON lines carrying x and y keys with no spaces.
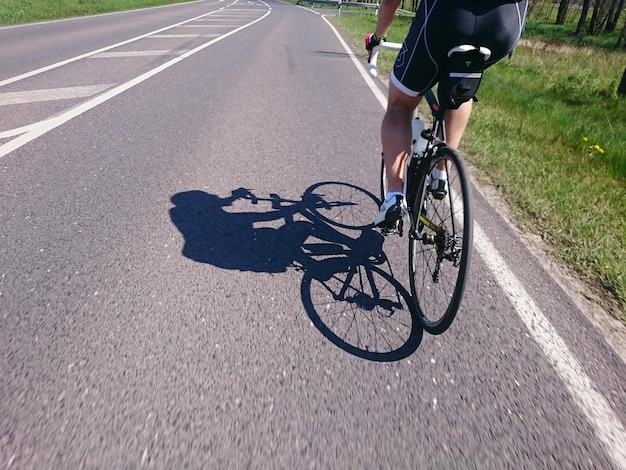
{"x":172,"y":295}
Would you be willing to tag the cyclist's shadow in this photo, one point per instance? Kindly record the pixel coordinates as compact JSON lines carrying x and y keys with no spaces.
{"x":348,"y":289}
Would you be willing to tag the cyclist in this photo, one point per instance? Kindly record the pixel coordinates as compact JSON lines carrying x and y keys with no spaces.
{"x":438,"y":26}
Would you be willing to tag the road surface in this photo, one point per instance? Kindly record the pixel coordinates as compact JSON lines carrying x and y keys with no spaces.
{"x":172,"y":293}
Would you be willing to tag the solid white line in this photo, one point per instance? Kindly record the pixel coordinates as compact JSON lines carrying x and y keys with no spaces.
{"x":380,"y":96}
{"x":16,"y":131}
{"x":42,"y":127}
{"x":592,"y":403}
{"x":51,"y":94}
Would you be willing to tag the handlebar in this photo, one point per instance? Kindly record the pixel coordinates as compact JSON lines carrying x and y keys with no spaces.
{"x":395,"y":46}
{"x":390,"y":46}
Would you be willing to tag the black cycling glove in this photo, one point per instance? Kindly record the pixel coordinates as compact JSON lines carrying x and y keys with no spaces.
{"x":371,"y":41}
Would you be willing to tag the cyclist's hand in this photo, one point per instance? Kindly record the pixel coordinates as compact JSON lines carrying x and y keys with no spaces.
{"x":371,"y":41}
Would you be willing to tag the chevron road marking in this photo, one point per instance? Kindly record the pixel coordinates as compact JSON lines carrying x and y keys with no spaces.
{"x":52,"y":94}
{"x":36,"y":130}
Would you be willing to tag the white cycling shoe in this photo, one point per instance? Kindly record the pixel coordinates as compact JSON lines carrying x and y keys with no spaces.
{"x":391,"y":210}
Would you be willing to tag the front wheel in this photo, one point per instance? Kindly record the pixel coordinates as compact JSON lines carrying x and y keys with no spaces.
{"x":440,"y":242}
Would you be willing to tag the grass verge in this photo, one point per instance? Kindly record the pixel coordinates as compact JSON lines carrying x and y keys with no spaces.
{"x":27,"y":11}
{"x":549,"y":133}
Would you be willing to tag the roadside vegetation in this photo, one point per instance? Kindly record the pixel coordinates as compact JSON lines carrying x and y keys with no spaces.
{"x":28,"y":11}
{"x":549,"y":131}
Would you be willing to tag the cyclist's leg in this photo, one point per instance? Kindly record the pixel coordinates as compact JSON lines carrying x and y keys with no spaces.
{"x":415,"y":71}
{"x":396,"y":135}
{"x":456,"y":122}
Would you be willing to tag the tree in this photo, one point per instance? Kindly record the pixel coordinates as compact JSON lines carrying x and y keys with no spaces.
{"x":614,"y":15}
{"x":621,"y":90}
{"x":599,"y":16}
{"x":562,"y":13}
{"x":583,"y":17}
{"x":622,"y":37}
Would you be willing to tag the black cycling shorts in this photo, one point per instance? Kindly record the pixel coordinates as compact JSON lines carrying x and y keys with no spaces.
{"x":440,"y":25}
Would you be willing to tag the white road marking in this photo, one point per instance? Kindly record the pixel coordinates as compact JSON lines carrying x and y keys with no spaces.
{"x":170,"y":36}
{"x":40,"y":128}
{"x":16,"y":131}
{"x":51,"y":94}
{"x":122,"y":54}
{"x":221,"y":18}
{"x":210,"y":25}
{"x":104,"y":49}
{"x":591,"y":402}
{"x":78,"y":18}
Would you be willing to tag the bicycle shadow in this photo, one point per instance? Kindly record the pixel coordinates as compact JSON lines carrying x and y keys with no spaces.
{"x":347,"y":290}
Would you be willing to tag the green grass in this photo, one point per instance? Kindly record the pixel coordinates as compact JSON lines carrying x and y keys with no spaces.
{"x":28,"y":11}
{"x":530,"y":144}
{"x":526,"y":138}
{"x":565,"y":34}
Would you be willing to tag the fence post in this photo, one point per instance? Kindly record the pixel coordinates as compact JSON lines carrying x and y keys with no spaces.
{"x":621,"y":89}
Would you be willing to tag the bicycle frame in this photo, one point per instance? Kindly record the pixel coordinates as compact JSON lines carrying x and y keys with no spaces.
{"x":439,"y":208}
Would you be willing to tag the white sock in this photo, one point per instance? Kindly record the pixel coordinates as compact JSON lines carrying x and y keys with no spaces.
{"x":438,"y":174}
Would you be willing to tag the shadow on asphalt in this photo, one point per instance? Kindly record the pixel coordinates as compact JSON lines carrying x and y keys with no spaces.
{"x":348,"y":289}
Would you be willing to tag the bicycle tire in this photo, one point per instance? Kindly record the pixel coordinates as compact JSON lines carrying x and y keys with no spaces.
{"x":343,"y":205}
{"x":439,"y":254}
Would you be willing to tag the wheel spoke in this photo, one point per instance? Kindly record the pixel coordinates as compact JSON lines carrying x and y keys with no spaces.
{"x":440,"y":249}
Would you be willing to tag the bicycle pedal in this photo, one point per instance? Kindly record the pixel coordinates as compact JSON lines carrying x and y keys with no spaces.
{"x":395,"y":229}
{"x":439,"y":190}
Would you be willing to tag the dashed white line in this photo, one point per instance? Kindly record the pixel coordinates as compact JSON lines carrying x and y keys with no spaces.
{"x":210,"y":26}
{"x":123,"y":54}
{"x":171,"y":36}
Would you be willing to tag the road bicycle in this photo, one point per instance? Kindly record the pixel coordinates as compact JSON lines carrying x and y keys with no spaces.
{"x":440,"y":221}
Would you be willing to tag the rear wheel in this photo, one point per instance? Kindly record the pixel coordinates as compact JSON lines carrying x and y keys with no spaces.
{"x":440,"y":243}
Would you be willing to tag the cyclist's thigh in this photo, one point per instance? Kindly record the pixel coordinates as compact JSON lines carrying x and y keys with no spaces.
{"x":500,"y":27}
{"x":440,"y":25}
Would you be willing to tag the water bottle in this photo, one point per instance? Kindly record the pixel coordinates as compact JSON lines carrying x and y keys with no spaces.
{"x":419,"y":143}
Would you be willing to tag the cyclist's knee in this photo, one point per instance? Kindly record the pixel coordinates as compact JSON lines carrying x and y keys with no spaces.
{"x":400,"y":101}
